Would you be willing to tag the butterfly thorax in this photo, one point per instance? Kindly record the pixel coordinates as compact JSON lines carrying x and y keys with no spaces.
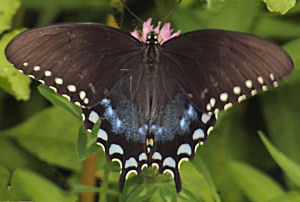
{"x":151,"y":74}
{"x":152,"y":39}
{"x":151,"y":52}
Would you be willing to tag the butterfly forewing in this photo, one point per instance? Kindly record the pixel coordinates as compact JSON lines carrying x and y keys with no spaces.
{"x":218,"y":68}
{"x":76,"y":59}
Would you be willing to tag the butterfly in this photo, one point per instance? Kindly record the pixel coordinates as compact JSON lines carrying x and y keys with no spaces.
{"x":157,"y":94}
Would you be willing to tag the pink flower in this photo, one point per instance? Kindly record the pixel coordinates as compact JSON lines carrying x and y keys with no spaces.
{"x":164,"y":34}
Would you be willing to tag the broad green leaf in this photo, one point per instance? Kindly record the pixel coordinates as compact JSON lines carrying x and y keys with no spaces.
{"x":288,"y":197}
{"x":4,"y":176}
{"x":268,"y":26}
{"x":64,"y":4}
{"x":200,"y":166}
{"x":51,"y":135}
{"x":232,"y":139}
{"x":60,"y":101}
{"x":27,"y":185}
{"x":192,"y":180}
{"x":293,"y":48}
{"x":255,"y":184}
{"x":290,"y":168}
{"x":7,"y":11}
{"x":12,"y":156}
{"x":4,"y":182}
{"x":281,"y":111}
{"x":187,"y":195}
{"x":295,"y":9}
{"x":11,"y":80}
{"x":280,"y":6}
{"x":50,"y":9}
{"x":230,"y":15}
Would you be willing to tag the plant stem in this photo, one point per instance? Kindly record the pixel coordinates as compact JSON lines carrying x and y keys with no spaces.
{"x":88,"y":177}
{"x":104,"y":185}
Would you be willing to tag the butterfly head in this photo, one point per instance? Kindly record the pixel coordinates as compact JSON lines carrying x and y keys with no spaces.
{"x":152,"y":39}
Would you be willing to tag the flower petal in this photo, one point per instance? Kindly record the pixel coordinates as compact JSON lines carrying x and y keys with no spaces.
{"x":147,"y":27}
{"x":156,"y":30}
{"x":136,"y":34}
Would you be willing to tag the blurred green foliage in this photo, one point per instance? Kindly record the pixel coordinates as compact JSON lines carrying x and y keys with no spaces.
{"x":41,"y":146}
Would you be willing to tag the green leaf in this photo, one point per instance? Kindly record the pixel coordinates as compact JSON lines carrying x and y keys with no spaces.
{"x":230,"y":140}
{"x":281,"y":112}
{"x":271,"y":27}
{"x":51,"y":135}
{"x":200,"y":166}
{"x":280,"y":6}
{"x":4,"y":176}
{"x":50,"y":9}
{"x":288,"y":197}
{"x":293,"y":48}
{"x":290,"y":168}
{"x":255,"y":184}
{"x":27,"y":185}
{"x":187,"y":195}
{"x":143,"y":192}
{"x":167,"y":193}
{"x":12,"y":156}
{"x":60,"y":101}
{"x":11,"y":80}
{"x":86,"y":144}
{"x":131,"y":184}
{"x":192,"y":179}
{"x":64,"y":4}
{"x":231,"y":15}
{"x":83,"y":188}
{"x":7,"y":11}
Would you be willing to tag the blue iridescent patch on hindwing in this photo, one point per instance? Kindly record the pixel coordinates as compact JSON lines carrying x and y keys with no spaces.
{"x":173,"y":119}
{"x":121,"y":135}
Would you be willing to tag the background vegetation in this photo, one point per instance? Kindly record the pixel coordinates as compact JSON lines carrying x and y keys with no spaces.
{"x":43,"y":144}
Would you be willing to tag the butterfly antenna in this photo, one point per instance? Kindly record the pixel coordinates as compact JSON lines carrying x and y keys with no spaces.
{"x":131,"y":12}
{"x":171,"y":11}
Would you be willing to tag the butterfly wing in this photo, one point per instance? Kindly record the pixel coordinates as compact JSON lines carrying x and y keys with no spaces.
{"x":217,"y":68}
{"x":75,"y":59}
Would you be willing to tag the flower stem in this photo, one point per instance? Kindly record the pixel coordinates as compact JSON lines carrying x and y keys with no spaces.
{"x":88,"y":177}
{"x":104,"y":185}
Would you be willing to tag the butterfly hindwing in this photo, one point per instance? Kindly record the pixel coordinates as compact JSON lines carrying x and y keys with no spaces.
{"x":63,"y":56}
{"x":116,"y":143}
{"x":218,"y":68}
{"x":122,"y":131}
{"x":168,"y":154}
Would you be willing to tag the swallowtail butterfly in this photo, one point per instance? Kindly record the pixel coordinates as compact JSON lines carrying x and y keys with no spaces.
{"x":157,"y":94}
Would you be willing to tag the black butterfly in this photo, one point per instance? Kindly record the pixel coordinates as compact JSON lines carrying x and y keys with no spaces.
{"x":157,"y":102}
